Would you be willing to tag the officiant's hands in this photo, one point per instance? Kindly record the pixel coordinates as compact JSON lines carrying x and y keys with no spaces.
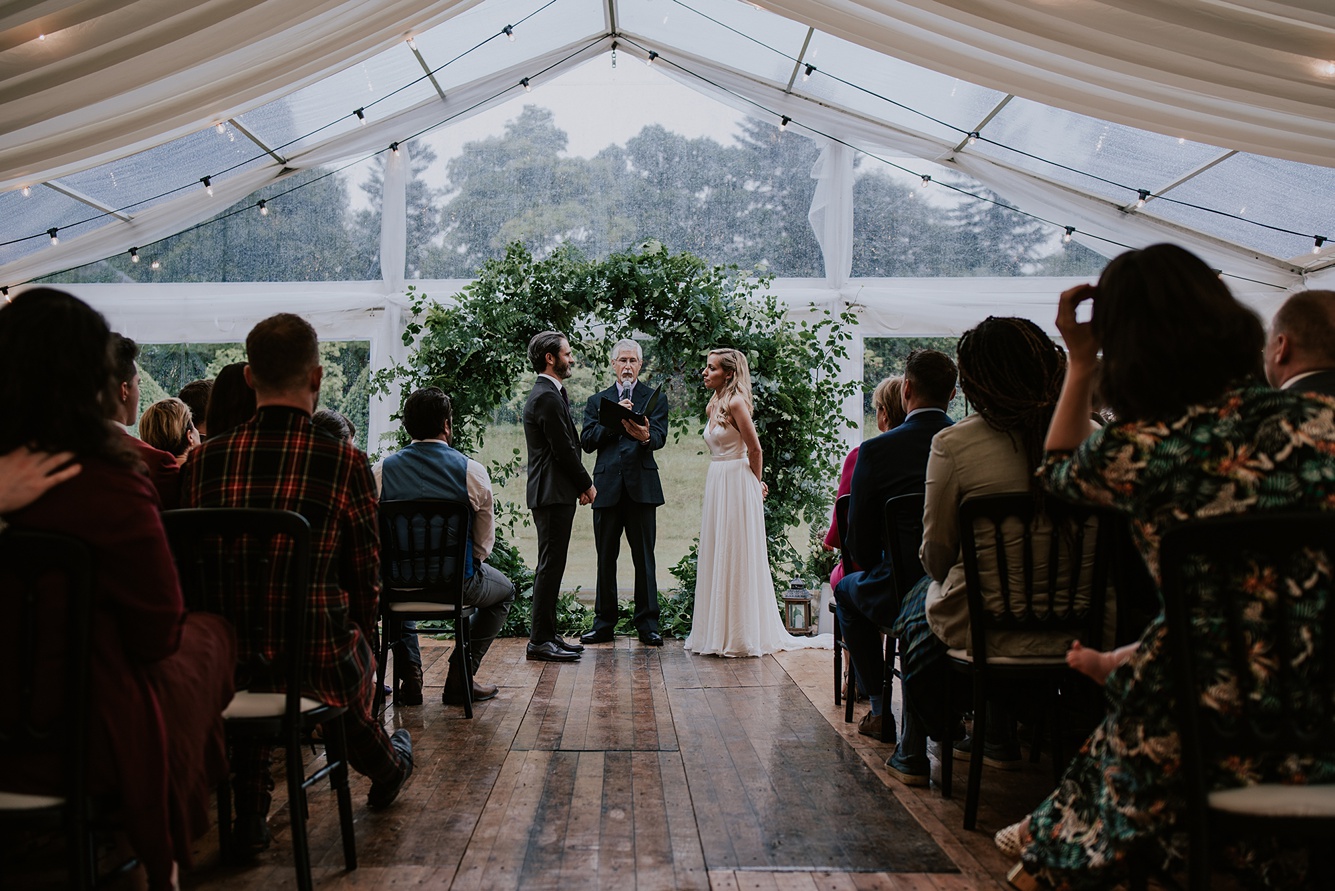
{"x":638,"y":432}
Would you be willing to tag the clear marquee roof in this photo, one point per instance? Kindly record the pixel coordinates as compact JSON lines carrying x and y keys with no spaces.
{"x":1116,"y":122}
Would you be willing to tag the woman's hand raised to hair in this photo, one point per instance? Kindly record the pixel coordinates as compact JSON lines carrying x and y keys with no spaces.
{"x":1081,"y":345}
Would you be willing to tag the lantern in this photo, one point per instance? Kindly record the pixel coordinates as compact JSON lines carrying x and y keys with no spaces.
{"x":797,"y":608}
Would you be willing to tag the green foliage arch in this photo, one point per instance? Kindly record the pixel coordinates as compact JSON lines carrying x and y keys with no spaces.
{"x":679,"y":307}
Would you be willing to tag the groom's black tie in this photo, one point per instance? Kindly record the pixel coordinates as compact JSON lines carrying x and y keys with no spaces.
{"x":565,"y":397}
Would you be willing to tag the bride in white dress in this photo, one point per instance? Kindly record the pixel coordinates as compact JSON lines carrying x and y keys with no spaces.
{"x":736,"y":613}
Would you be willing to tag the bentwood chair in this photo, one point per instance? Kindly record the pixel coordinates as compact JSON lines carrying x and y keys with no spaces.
{"x":903,"y":528}
{"x":840,"y":651}
{"x":1033,"y":597}
{"x":252,"y":565}
{"x":422,"y":551}
{"x":1275,"y":695}
{"x":46,"y":597}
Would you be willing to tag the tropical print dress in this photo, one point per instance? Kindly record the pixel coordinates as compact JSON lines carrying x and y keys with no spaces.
{"x":1253,"y":450}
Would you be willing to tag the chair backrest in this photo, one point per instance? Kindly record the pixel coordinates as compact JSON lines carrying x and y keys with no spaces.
{"x":422,"y":548}
{"x":1247,"y":601}
{"x":253,"y":566}
{"x":46,"y":592}
{"x":901,"y":534}
{"x":841,"y":524}
{"x":1061,"y":592}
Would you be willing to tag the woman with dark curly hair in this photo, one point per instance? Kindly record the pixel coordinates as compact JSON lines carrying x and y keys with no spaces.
{"x":160,"y":676}
{"x":1198,"y":434}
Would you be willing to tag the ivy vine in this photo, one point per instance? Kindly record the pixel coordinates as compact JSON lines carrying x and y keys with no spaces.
{"x":680,"y":307}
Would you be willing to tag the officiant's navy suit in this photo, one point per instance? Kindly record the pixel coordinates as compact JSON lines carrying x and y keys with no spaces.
{"x":894,"y":463}
{"x":629,"y":491}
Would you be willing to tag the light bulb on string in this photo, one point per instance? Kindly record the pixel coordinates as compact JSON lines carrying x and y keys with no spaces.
{"x":208,"y":185}
{"x":525,"y":84}
{"x":27,"y":190}
{"x":55,"y":235}
{"x":509,"y":31}
{"x":926,"y":181}
{"x":784,"y":122}
{"x":263,"y":206}
{"x":806,"y":75}
{"x":973,"y":137}
{"x":1317,"y":243}
{"x":1066,"y":236}
{"x":134,"y":255}
{"x":361,"y":115}
{"x":220,"y":127}
{"x":155,"y":265}
{"x":394,"y":147}
{"x":649,"y":60}
{"x":1144,"y":196}
{"x":4,"y":292}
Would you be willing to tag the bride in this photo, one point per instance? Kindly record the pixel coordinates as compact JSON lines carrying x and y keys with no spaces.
{"x":735,"y":610}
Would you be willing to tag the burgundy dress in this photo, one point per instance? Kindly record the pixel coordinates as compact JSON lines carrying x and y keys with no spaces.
{"x":160,"y":677}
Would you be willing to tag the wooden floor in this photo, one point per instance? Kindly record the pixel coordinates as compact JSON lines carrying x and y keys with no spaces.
{"x":645,"y":768}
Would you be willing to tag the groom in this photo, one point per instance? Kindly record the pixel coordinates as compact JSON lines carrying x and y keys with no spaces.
{"x":556,"y":481}
{"x":629,"y":491}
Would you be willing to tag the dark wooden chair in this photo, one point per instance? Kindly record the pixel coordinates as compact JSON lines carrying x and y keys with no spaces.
{"x":252,"y":566}
{"x":903,"y":524}
{"x":1033,"y":600}
{"x":1290,"y":713}
{"x":47,"y":581}
{"x":422,"y":548}
{"x":841,"y":524}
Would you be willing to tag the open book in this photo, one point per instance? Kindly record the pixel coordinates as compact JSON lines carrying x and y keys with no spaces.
{"x":611,"y":413}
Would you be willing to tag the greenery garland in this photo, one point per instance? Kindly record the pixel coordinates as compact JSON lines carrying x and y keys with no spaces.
{"x":679,"y":307}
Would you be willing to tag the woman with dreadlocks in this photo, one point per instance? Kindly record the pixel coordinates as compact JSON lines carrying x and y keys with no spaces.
{"x":1011,"y":372}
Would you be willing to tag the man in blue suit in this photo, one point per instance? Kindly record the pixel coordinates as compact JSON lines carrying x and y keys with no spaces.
{"x":629,"y":490}
{"x":894,"y":463}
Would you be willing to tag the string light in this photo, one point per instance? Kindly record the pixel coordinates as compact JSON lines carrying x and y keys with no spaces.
{"x":4,"y":292}
{"x":220,"y":127}
{"x":1317,"y":243}
{"x":524,"y":83}
{"x":155,"y":265}
{"x":54,"y":233}
{"x":614,"y":54}
{"x":1066,"y":236}
{"x":208,"y":185}
{"x":926,"y":181}
{"x":394,"y":147}
{"x":27,"y":190}
{"x":361,"y":115}
{"x":783,"y":122}
{"x":134,"y":255}
{"x":806,"y":75}
{"x":1144,"y":196}
{"x":649,"y":60}
{"x":263,"y":206}
{"x":973,"y":137}
{"x":509,"y":31}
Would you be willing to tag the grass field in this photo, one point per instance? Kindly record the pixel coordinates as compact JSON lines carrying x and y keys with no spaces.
{"x":681,"y":466}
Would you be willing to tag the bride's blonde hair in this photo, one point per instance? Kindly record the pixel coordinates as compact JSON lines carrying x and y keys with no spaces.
{"x":738,"y":385}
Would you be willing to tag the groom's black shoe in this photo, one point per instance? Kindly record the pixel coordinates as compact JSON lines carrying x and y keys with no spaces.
{"x":568,"y":645}
{"x":652,"y":638}
{"x":593,"y":637}
{"x":548,"y":651}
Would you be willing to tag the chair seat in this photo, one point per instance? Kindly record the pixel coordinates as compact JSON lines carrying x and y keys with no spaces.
{"x":18,"y":801}
{"x":424,"y":608}
{"x":1277,"y":800}
{"x":962,"y":655}
{"x":246,"y":704}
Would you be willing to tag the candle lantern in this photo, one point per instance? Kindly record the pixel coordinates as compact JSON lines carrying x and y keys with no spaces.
{"x":797,"y":608}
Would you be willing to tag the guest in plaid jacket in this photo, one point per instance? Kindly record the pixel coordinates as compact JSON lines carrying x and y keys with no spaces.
{"x":277,"y":460}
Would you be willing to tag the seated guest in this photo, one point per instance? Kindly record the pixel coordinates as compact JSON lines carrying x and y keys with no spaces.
{"x":231,"y":401}
{"x":166,"y":426}
{"x":1197,"y":435}
{"x":1300,"y":351}
{"x":1010,"y":372}
{"x":161,"y":466}
{"x":429,"y":467}
{"x":326,"y":420}
{"x":160,"y":676}
{"x":196,"y":395}
{"x":25,"y":475}
{"x":894,"y":463}
{"x":277,"y":460}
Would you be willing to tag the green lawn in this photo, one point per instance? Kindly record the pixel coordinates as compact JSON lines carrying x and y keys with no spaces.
{"x":682,"y":467}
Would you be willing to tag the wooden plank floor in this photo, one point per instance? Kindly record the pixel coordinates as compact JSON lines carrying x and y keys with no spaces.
{"x":645,"y":768}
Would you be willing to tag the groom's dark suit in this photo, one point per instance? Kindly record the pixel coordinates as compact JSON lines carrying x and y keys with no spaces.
{"x":629,"y":490}
{"x":894,"y":463}
{"x":556,"y":479}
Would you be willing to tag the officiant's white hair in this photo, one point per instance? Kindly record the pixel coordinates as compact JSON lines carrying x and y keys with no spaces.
{"x":626,"y":343}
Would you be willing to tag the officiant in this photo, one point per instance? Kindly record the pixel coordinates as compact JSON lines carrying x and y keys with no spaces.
{"x":625,"y":424}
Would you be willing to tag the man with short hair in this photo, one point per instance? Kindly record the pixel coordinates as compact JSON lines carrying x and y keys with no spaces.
{"x":196,"y":395}
{"x":1300,"y":352}
{"x":557,"y":481}
{"x":277,"y":460}
{"x":629,"y":490}
{"x":162,"y":467}
{"x":429,"y":467}
{"x":894,"y":463}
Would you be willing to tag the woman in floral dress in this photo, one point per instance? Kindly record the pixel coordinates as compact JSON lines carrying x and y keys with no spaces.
{"x":1198,"y":435}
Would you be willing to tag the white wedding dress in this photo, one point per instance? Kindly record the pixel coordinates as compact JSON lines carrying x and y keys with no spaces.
{"x":735,"y":610}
